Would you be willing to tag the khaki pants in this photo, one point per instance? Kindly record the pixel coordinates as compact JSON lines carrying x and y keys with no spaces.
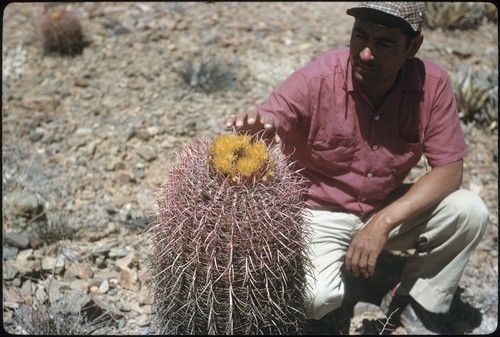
{"x":443,"y":237}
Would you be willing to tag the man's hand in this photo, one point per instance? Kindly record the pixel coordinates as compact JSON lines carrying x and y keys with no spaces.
{"x":427,"y":191}
{"x":361,"y":257}
{"x":253,"y":124}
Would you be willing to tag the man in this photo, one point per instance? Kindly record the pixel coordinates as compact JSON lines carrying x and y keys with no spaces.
{"x":356,"y":120}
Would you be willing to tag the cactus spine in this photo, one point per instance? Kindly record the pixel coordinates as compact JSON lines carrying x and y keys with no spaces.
{"x":229,"y":243}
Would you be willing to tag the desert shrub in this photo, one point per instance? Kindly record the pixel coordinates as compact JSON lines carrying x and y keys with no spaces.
{"x":209,"y":75}
{"x":53,"y":227}
{"x":60,"y":32}
{"x":477,"y":96}
{"x":229,"y":242}
{"x":458,"y":15}
{"x":48,"y":310}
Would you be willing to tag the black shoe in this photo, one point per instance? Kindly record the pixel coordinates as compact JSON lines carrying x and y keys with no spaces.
{"x":406,"y":312}
{"x":336,"y":322}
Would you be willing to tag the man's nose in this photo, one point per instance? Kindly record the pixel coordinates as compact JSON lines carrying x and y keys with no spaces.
{"x":366,"y":54}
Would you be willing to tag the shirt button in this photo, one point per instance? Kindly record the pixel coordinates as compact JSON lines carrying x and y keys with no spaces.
{"x":375,"y":147}
{"x":369,"y":175}
{"x":377,"y":117}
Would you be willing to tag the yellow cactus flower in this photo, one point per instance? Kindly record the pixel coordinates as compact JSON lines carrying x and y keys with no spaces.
{"x":238,"y":157}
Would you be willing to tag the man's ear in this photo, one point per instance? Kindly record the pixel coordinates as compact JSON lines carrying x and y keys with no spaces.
{"x":415,"y":45}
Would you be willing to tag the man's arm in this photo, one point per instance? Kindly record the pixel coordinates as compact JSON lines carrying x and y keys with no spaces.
{"x":431,"y":188}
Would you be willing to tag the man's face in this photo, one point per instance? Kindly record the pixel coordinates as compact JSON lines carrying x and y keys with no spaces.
{"x":377,"y":53}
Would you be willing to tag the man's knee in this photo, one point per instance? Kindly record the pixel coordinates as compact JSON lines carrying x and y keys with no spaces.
{"x":470,"y":211}
{"x":324,"y":300}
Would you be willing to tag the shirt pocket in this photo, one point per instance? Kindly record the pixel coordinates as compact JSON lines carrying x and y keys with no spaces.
{"x":335,"y":155}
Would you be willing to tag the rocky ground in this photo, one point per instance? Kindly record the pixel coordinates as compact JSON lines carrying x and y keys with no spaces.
{"x":85,"y":139}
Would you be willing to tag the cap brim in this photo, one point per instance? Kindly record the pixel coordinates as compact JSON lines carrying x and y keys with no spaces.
{"x":379,"y":18}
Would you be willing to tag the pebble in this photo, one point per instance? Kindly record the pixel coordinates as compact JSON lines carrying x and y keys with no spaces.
{"x":9,"y":252}
{"x":17,"y":240}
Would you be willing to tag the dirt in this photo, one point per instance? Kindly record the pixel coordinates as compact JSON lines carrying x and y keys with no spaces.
{"x":88,"y":137}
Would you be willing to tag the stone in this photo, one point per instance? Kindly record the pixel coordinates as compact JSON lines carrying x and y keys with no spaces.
{"x":128,"y":261}
{"x":9,"y":271}
{"x":9,"y":252}
{"x":128,"y":279}
{"x":104,"y":287}
{"x":53,"y":264}
{"x":79,"y":270}
{"x":147,"y":153}
{"x":18,"y":240}
{"x":40,"y":103}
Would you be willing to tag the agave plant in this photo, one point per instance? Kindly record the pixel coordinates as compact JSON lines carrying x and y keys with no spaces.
{"x":209,"y":75}
{"x":458,"y":15}
{"x":229,"y":243}
{"x":477,"y":96}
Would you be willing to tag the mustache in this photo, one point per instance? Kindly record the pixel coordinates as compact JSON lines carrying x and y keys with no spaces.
{"x":358,"y":62}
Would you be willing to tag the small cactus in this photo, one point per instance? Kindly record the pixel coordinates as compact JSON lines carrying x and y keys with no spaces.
{"x":229,"y":252}
{"x":60,"y":32}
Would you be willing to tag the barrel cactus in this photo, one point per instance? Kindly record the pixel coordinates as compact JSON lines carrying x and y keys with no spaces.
{"x":60,"y":32}
{"x":229,"y":253}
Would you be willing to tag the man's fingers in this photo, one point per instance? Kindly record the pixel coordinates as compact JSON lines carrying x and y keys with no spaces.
{"x":252,"y":117}
{"x":240,"y":120}
{"x":372,"y":263}
{"x":267,"y":122}
{"x":352,"y":262}
{"x":230,"y":121}
{"x":363,"y":266}
{"x":254,"y":124}
{"x":277,"y":139}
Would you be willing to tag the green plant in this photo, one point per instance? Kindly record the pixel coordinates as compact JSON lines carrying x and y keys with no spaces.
{"x":209,"y":75}
{"x":60,"y":32}
{"x":477,"y":96}
{"x":458,"y":15}
{"x":229,"y":252}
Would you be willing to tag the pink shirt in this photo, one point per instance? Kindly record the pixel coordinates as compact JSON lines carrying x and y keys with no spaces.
{"x":356,"y":156}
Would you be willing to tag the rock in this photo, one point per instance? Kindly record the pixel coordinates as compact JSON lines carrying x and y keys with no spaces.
{"x":79,"y":270}
{"x":119,"y":252}
{"x":25,"y":203}
{"x":100,"y":276}
{"x":18,"y":240}
{"x":104,"y":287}
{"x":9,"y":253}
{"x":24,"y":256}
{"x":27,"y":264}
{"x":129,"y":279}
{"x":147,"y":153}
{"x":34,"y":240}
{"x":476,"y":185}
{"x":11,"y":296}
{"x":128,"y":261}
{"x":83,"y":131}
{"x":40,"y":103}
{"x":53,"y":264}
{"x":9,"y":271}
{"x":144,"y":296}
{"x":126,"y":177}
